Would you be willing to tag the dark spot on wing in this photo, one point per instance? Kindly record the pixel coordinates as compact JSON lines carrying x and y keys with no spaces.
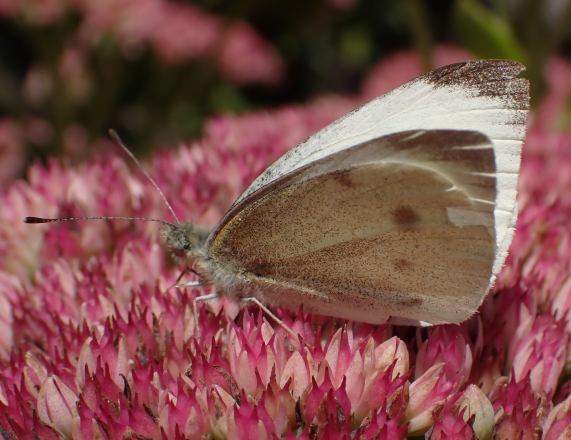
{"x":401,"y":264}
{"x":405,"y":216}
{"x":344,"y":178}
{"x":410,"y":301}
{"x":262,"y":268}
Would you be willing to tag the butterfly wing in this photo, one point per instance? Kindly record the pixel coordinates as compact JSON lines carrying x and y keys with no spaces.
{"x":483,"y":95}
{"x":399,"y":226}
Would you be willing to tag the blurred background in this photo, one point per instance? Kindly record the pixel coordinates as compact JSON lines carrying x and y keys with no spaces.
{"x":156,"y":70}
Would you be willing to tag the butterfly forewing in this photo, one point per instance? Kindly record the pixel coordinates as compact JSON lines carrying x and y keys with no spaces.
{"x":399,"y":226}
{"x":482,"y":95}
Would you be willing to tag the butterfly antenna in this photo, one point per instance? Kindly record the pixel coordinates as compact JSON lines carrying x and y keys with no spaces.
{"x":119,"y":142}
{"x":36,"y":220}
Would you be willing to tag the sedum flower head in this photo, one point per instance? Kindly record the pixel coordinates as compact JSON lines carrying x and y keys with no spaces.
{"x":96,"y":343}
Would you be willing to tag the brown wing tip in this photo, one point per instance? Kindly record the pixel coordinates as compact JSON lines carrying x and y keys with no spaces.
{"x":493,"y":78}
{"x":475,"y":69}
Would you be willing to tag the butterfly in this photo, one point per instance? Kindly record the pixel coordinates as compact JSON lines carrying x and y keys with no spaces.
{"x":403,"y":209}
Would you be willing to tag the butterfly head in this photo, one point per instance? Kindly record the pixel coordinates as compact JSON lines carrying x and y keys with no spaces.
{"x":185,"y":239}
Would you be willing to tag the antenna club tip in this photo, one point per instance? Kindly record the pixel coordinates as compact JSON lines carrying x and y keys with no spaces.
{"x":36,"y":220}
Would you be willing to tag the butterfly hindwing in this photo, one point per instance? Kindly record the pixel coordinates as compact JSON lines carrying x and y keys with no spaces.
{"x":399,"y":226}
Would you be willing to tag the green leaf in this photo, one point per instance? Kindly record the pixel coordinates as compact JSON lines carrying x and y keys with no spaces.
{"x":356,"y":46}
{"x":485,"y":33}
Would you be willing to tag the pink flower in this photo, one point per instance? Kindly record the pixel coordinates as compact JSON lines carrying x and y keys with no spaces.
{"x":8,"y":286}
{"x":450,"y":423}
{"x":426,"y":393}
{"x":539,"y":350}
{"x":557,"y":424}
{"x":552,"y":112}
{"x":176,"y":32}
{"x":477,"y":409}
{"x":181,"y":32}
{"x":446,"y":344}
{"x":96,"y":342}
{"x":57,"y":406}
{"x":518,"y":409}
{"x":245,"y":58}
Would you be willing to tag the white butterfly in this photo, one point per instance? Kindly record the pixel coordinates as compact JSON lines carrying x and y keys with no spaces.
{"x":403,"y":208}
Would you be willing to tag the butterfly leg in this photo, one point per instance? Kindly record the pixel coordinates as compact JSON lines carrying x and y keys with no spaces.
{"x":186,"y":270}
{"x":207,"y":297}
{"x":193,"y":283}
{"x":195,"y":301}
{"x":270,"y":314}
